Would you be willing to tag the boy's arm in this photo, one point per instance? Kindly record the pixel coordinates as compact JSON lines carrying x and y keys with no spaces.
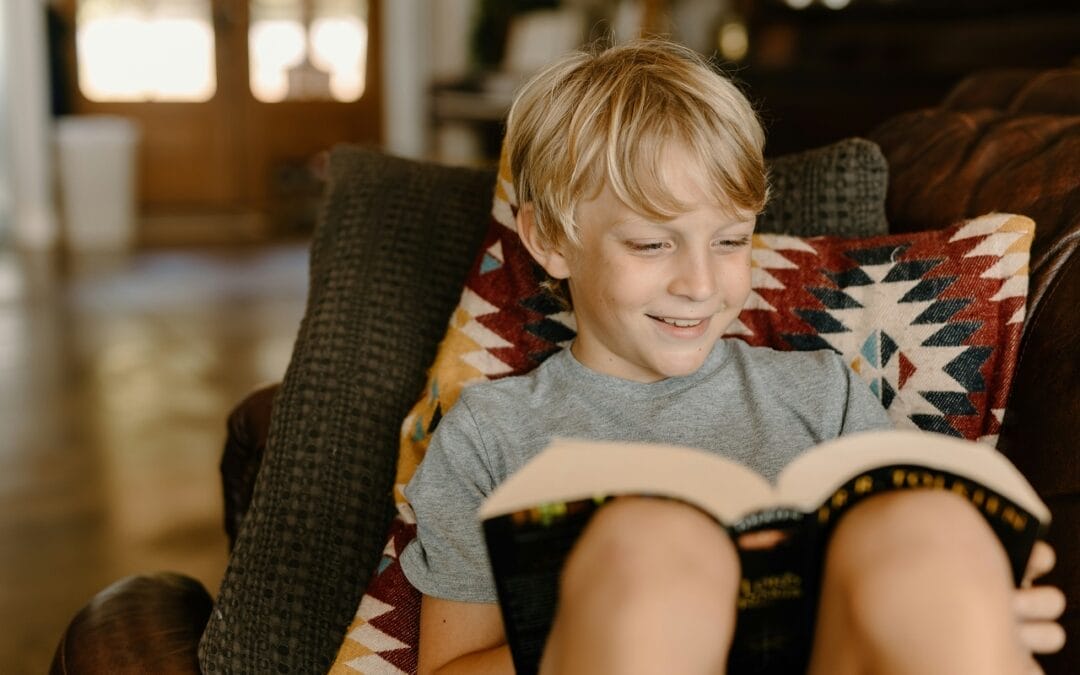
{"x":462,"y":637}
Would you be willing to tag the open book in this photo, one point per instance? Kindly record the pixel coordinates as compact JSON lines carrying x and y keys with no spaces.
{"x":532,"y":520}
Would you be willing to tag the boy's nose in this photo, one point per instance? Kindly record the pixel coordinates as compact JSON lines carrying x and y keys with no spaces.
{"x":694,"y":277}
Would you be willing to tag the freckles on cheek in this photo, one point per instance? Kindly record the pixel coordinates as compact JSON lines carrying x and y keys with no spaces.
{"x":610,"y":301}
{"x":741,"y":273}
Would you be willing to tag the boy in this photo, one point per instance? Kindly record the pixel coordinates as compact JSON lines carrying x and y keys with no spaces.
{"x":639,"y":174}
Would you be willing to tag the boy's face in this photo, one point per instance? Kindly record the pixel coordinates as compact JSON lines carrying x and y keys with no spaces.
{"x":651,"y":298}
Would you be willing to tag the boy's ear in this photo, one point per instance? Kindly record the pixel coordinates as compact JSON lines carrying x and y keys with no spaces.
{"x":549,"y":256}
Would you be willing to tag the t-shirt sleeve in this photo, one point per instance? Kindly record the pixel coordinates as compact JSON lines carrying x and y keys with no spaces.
{"x":448,"y":558}
{"x":863,"y":411}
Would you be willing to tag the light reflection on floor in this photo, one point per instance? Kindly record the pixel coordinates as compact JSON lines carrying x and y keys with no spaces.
{"x":116,"y":374}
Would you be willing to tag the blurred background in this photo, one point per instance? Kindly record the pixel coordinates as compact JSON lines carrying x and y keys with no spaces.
{"x":162,"y":164}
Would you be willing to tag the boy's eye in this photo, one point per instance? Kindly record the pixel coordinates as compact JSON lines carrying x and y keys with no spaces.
{"x":734,"y":242}
{"x":646,"y":246}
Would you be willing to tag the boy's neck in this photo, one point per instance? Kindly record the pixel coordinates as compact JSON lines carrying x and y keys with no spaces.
{"x":573,"y":350}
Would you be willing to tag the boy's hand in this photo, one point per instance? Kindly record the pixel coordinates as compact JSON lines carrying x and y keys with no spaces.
{"x":1038,"y":607}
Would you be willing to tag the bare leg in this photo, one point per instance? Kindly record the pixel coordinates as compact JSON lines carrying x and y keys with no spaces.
{"x":916,"y":582}
{"x":649,"y":588}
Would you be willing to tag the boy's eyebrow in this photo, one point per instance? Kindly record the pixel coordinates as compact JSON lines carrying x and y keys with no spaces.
{"x":637,"y":220}
{"x":752,"y":220}
{"x":633,"y":219}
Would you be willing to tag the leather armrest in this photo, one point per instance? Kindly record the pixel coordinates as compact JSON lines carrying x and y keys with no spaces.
{"x":245,"y":444}
{"x":141,"y":624}
{"x":1042,"y":422}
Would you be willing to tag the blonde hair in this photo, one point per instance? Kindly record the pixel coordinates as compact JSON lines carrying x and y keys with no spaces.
{"x":609,"y":115}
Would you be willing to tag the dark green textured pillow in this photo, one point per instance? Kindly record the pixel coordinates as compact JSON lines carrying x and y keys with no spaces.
{"x":388,"y":261}
{"x":836,"y":190}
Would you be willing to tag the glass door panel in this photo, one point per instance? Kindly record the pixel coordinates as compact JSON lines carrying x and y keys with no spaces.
{"x":307,"y":50}
{"x":145,"y":50}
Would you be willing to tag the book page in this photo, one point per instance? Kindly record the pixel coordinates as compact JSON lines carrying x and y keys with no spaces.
{"x":809,"y":480}
{"x":570,"y":470}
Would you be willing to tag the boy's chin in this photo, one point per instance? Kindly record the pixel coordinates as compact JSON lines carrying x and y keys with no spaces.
{"x":686,"y":365}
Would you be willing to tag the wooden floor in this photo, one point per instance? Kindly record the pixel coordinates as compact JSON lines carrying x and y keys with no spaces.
{"x":116,"y":374}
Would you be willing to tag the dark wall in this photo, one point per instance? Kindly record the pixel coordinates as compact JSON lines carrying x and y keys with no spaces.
{"x":819,"y":74}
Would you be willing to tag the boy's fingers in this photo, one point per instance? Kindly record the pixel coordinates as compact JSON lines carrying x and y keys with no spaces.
{"x":1039,"y":603}
{"x":1042,"y":638}
{"x":1041,"y":561}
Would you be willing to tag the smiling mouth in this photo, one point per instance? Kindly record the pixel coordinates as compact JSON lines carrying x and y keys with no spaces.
{"x":678,"y":323}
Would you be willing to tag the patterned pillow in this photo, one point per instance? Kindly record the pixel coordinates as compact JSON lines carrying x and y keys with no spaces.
{"x":932,"y":320}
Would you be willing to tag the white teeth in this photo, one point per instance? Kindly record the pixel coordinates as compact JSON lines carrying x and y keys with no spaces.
{"x":682,"y":323}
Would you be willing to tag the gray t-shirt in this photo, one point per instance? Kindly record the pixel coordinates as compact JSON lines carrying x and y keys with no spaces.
{"x":755,"y":405}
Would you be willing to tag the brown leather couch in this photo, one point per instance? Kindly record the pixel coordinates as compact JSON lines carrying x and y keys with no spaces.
{"x":1010,"y":141}
{"x":1004,"y":141}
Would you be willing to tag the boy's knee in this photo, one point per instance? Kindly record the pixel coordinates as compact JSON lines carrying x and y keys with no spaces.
{"x":650,"y":553}
{"x":916,"y":581}
{"x":916,"y":548}
{"x":649,"y":587}
{"x":915,"y":524}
